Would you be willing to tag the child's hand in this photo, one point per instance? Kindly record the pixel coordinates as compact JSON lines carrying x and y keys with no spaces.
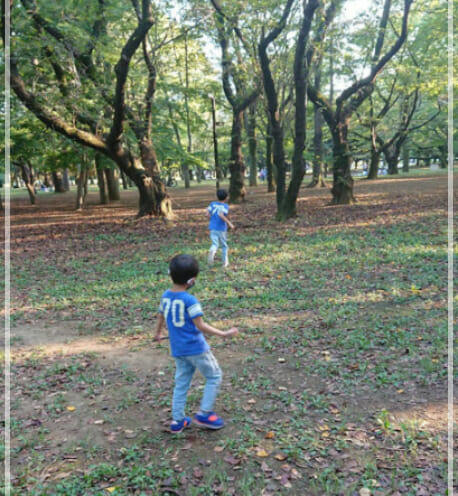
{"x":233,"y":331}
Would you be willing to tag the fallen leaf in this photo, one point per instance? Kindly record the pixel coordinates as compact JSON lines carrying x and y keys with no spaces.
{"x":111,"y":489}
{"x":231,"y":460}
{"x":280,"y":456}
{"x":270,"y":435}
{"x":218,"y":449}
{"x":71,"y":408}
{"x":198,"y":474}
{"x":262,"y":453}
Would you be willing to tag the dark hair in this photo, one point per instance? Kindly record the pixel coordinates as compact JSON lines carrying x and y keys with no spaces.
{"x":182,"y":268}
{"x":221,"y":194}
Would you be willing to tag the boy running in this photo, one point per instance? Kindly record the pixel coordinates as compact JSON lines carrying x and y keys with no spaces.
{"x":182,"y":313}
{"x":218,"y":211}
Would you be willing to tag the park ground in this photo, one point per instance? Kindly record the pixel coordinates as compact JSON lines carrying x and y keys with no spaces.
{"x":337,"y":384}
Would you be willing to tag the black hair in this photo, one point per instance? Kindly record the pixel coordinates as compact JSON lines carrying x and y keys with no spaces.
{"x":182,"y":268}
{"x":221,"y":194}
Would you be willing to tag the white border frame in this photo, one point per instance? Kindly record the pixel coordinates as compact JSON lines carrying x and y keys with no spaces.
{"x":450,"y":248}
{"x":7,"y":192}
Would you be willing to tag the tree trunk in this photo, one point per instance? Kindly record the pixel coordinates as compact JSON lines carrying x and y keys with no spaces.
{"x":124,"y":181}
{"x":102,"y":187}
{"x":392,"y":158}
{"x":112,"y":185}
{"x":252,"y":145}
{"x":219,"y":175}
{"x":317,"y":175}
{"x":81,"y":190}
{"x":66,"y":180}
{"x":184,"y":165}
{"x":342,"y":189}
{"x":269,"y":163}
{"x":27,"y":177}
{"x":374,"y":164}
{"x":101,"y":180}
{"x":237,"y":190}
{"x":58,"y":183}
{"x":405,"y":158}
{"x":443,"y":156}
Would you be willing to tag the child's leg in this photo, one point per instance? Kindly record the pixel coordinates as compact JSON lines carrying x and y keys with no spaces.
{"x":214,"y":247}
{"x":183,"y":377}
{"x":209,"y":368}
{"x":223,"y":239}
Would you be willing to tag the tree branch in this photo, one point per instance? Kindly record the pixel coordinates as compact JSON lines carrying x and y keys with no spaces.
{"x":361,"y":87}
{"x":122,"y":70}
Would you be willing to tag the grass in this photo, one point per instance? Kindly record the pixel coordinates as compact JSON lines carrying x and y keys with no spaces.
{"x":343,"y":325}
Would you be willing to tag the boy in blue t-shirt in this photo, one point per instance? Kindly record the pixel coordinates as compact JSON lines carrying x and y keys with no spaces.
{"x":182,"y":313}
{"x":218,"y":212}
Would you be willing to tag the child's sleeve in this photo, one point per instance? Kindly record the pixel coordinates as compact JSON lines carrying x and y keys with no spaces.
{"x":194,"y":307}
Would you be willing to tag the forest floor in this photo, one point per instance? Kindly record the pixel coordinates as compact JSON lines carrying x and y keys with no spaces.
{"x":337,"y":384}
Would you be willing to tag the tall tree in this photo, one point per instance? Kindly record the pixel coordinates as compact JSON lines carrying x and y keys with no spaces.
{"x":350,"y":99}
{"x":79,"y":74}
{"x":303,"y":55}
{"x":238,"y":92}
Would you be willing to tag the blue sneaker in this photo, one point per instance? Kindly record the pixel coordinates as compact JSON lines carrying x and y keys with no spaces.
{"x":209,"y":420}
{"x":177,"y":427}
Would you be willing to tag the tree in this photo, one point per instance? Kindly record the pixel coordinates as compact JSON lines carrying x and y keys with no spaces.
{"x":79,"y":70}
{"x":238,"y":94}
{"x":303,"y":55}
{"x":338,"y":118}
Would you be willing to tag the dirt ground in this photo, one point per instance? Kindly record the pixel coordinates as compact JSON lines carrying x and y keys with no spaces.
{"x":129,"y":367}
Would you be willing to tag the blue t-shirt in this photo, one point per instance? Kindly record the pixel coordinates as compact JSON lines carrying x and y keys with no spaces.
{"x":216,"y":223}
{"x":179,"y":308}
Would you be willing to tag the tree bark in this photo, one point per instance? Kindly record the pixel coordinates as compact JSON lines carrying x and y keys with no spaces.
{"x":102,"y":188}
{"x":271,"y":185}
{"x":405,"y":158}
{"x":112,"y":184}
{"x":184,"y":165}
{"x":58,"y":182}
{"x":66,"y":179}
{"x":81,"y":190}
{"x":342,"y":189}
{"x":252,"y":143}
{"x":237,"y":189}
{"x":374,"y":164}
{"x":27,"y":177}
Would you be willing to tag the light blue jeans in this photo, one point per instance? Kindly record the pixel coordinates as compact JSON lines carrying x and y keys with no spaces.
{"x":207,"y":365}
{"x":218,"y":237}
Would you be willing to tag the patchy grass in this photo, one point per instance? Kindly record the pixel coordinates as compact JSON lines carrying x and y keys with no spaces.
{"x":337,"y":382}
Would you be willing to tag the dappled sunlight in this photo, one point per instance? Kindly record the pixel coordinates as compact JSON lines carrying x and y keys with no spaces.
{"x":424,"y":415}
{"x":341,"y":354}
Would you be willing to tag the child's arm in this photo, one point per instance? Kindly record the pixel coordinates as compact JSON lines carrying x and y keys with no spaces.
{"x":208,"y":329}
{"x":159,"y":326}
{"x":226,"y":220}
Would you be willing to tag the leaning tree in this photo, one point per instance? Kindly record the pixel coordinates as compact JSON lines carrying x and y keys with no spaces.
{"x":65,"y":70}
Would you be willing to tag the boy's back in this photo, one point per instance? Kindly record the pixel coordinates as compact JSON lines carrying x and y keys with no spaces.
{"x":179,"y":308}
{"x":215,"y":209}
